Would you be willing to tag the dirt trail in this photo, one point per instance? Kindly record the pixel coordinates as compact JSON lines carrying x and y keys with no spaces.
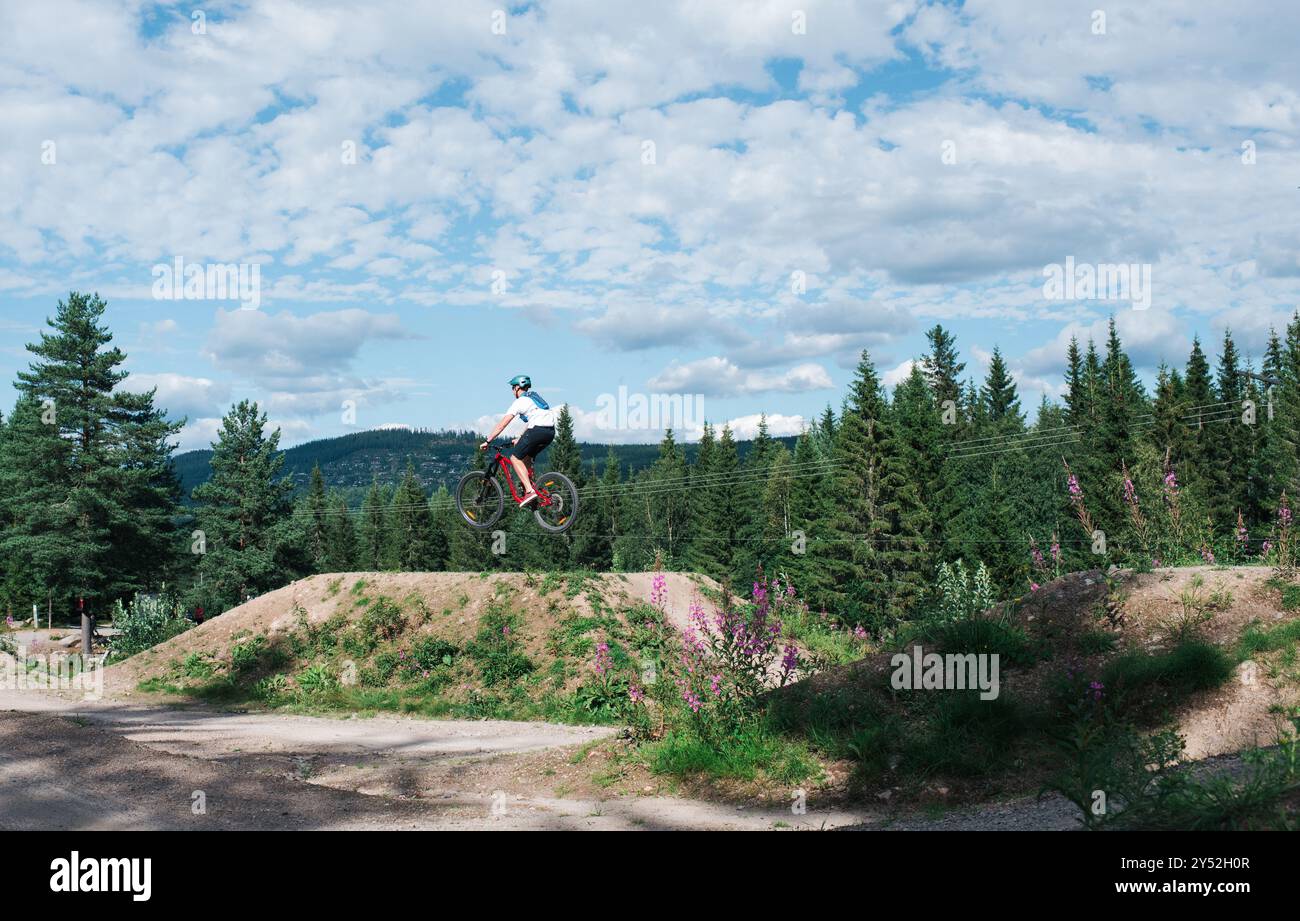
{"x":142,"y":766}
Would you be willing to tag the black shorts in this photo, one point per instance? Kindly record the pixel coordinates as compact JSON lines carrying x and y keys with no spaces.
{"x":533,"y":441}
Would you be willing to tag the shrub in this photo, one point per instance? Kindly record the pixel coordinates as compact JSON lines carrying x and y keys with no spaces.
{"x":244,"y":655}
{"x":493,"y":651}
{"x":383,"y":619}
{"x":315,"y":679}
{"x":147,"y":621}
{"x":427,"y":654}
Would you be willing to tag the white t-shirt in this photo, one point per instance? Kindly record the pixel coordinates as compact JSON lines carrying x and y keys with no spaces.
{"x":532,"y":414}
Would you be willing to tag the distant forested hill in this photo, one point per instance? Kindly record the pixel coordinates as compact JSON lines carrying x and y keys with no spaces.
{"x":352,"y":462}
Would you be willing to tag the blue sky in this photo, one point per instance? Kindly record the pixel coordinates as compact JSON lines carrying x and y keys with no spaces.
{"x":649,"y":181}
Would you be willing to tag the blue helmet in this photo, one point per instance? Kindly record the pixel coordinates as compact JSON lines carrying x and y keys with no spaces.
{"x":521,"y":380}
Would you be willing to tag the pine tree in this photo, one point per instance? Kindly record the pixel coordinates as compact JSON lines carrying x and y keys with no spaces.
{"x":120,"y":494}
{"x":244,"y":513}
{"x":39,"y":546}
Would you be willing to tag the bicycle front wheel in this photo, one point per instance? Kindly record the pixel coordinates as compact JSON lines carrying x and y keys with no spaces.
{"x":479,"y":499}
{"x":557,"y":503}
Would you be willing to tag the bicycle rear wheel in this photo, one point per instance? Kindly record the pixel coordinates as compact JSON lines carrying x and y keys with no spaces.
{"x":479,"y":499}
{"x":557,"y":505}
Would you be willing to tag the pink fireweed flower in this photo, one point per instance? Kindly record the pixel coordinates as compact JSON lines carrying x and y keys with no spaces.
{"x":1130,"y":494}
{"x":1265,"y":548}
{"x":859,"y":633}
{"x":1033,"y":586}
{"x":1284,"y":514}
{"x":602,"y":662}
{"x":1208,"y":555}
{"x":790,"y":660}
{"x":1073,"y":483}
{"x":505,"y":631}
{"x":715,"y":685}
{"x":1056,"y":549}
{"x":659,"y":591}
{"x":1097,"y":689}
{"x":635,"y":693}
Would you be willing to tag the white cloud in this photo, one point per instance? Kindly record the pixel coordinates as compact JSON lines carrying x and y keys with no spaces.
{"x":181,"y":395}
{"x":717,"y":376}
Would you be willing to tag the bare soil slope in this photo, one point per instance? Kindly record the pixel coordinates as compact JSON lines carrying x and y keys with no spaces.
{"x":455,"y":602}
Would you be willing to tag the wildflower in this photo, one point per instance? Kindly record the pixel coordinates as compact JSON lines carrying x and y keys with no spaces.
{"x":790,"y":661}
{"x":859,"y":633}
{"x":1207,"y":554}
{"x":1033,"y":586}
{"x":1097,"y":689}
{"x":659,"y":591}
{"x":715,"y":685}
{"x":635,"y":693}
{"x":602,"y":662}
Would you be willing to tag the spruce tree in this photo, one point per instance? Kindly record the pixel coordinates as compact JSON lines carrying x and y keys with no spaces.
{"x":244,"y":513}
{"x":372,"y":530}
{"x":340,"y":536}
{"x":411,"y":526}
{"x":942,"y":369}
{"x":1236,"y":437}
{"x":564,"y":454}
{"x":311,"y":512}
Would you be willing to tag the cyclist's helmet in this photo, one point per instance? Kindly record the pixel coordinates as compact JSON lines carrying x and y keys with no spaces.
{"x":521,"y":380}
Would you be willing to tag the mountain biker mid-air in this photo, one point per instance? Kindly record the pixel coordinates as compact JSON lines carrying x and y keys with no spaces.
{"x":540,"y":432}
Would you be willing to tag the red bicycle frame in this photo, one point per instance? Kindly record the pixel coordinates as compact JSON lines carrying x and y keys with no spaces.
{"x":543,"y":497}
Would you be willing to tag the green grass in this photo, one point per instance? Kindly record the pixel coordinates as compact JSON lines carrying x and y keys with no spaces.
{"x":980,"y":636}
{"x":751,"y":753}
{"x":1143,"y":684}
{"x":1258,"y":638}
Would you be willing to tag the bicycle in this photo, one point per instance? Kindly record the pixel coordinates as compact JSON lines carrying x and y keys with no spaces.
{"x":481,"y":502}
